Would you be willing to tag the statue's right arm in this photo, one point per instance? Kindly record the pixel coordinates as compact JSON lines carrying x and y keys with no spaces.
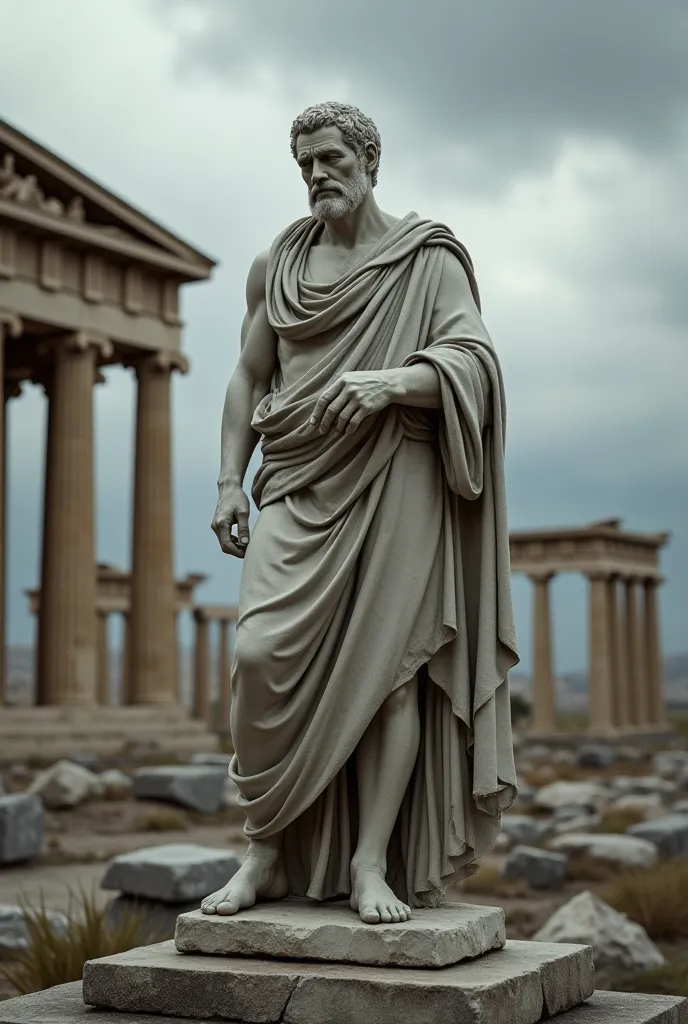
{"x":249,"y":384}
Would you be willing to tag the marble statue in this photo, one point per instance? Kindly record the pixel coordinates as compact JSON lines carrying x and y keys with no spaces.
{"x":370,"y":706}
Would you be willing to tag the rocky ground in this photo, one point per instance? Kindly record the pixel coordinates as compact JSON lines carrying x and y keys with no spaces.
{"x":586,"y":820}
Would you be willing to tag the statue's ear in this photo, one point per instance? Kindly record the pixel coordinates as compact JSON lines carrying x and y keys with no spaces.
{"x":372,"y":157}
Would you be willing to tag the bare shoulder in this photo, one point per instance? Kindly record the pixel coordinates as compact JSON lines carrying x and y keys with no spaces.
{"x":255,"y":283}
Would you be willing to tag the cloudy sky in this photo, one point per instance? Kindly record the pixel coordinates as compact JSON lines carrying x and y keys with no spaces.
{"x":551,"y":137}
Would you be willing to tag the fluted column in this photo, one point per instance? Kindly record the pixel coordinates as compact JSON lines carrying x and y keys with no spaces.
{"x":630,"y":629}
{"x":635,"y":641}
{"x":623,"y":703}
{"x":153,"y":639}
{"x":10,"y":326}
{"x":67,"y":623}
{"x":103,"y":657}
{"x":544,"y":715}
{"x":223,"y":673}
{"x":600,"y":658}
{"x":201,"y":680}
{"x":653,"y":651}
{"x":125,"y":675}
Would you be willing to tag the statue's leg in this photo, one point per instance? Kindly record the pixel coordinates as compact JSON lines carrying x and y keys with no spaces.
{"x":260,"y":877}
{"x":385,"y":757}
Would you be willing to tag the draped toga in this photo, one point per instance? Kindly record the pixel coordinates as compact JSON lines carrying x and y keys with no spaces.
{"x":377,"y":556}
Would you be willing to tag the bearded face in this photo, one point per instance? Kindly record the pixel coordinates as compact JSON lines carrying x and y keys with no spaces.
{"x":333,"y":200}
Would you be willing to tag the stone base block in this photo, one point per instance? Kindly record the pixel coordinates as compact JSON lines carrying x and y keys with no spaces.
{"x":301,"y":930}
{"x":531,"y":979}
{"x":65,"y":1005}
{"x":50,"y":733}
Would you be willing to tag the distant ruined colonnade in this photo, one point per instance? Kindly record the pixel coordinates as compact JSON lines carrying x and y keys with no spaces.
{"x":625,"y":684}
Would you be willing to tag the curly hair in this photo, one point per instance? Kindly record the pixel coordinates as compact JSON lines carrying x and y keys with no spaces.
{"x":357,"y":129}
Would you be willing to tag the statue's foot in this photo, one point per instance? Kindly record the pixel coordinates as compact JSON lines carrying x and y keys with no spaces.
{"x":260,"y":877}
{"x":373,"y":898}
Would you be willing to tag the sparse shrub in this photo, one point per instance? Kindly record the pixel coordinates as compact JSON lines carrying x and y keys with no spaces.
{"x":619,"y":819}
{"x":163,"y":820}
{"x":589,"y":869}
{"x":655,"y":898}
{"x":55,"y":959}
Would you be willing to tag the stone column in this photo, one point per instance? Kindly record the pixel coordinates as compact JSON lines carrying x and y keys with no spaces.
{"x":67,"y":622}
{"x":223,"y":672}
{"x":201,"y":680}
{"x":653,"y":650}
{"x":10,"y":326}
{"x":635,"y":641}
{"x":544,"y":717}
{"x":623,"y":704}
{"x":103,"y":658}
{"x":600,"y":658}
{"x":153,"y":639}
{"x":125,"y":687}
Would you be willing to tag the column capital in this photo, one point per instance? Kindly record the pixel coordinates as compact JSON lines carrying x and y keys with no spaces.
{"x":79,"y":341}
{"x":161,"y":361}
{"x":653,"y":581}
{"x":541,"y":575}
{"x":600,"y":574}
{"x":11,"y":322}
{"x":200,"y":614}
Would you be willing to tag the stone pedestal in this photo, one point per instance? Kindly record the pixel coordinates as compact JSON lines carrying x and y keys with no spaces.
{"x":303,"y":963}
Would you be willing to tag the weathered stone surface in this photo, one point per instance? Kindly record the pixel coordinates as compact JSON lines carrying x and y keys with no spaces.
{"x":580,"y":823}
{"x":198,"y":787}
{"x":541,"y":869}
{"x":596,"y":755}
{"x":651,"y":805}
{"x":65,"y":1005}
{"x":174,"y":872}
{"x":21,"y":827}
{"x":13,"y":931}
{"x":670,"y":834}
{"x":116,"y":784}
{"x":670,"y":764}
{"x":528,"y":978}
{"x":619,"y":945}
{"x":300,"y":930}
{"x":65,"y":784}
{"x":642,"y":784}
{"x":212,"y":757}
{"x":591,"y":795}
{"x":523,"y":828}
{"x":623,"y":850}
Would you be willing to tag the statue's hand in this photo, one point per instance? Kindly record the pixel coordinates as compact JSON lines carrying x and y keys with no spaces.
{"x":232,"y":510}
{"x":345,"y":403}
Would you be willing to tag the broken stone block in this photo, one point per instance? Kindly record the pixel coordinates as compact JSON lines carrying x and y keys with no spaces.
{"x":21,"y":827}
{"x":173,"y":872}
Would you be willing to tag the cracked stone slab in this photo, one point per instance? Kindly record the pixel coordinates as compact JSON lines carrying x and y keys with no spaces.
{"x":302,"y":930}
{"x":532,"y":979}
{"x":65,"y":1005}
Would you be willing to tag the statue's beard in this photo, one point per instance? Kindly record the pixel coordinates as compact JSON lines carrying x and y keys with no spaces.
{"x":351,"y":196}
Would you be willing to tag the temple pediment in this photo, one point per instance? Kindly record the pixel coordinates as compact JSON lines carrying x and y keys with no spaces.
{"x":45,"y":194}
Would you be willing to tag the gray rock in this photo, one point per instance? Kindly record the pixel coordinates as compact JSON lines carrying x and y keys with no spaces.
{"x":590,"y":795}
{"x":525,"y":793}
{"x":669,"y":834}
{"x":211,"y":757}
{"x":198,"y":787}
{"x":643,"y":784}
{"x":596,"y":755}
{"x":523,"y":828}
{"x":2,"y":787}
{"x":670,"y":764}
{"x":14,"y":933}
{"x":568,"y":812}
{"x":296,"y":930}
{"x":581,"y":823}
{"x":116,"y":784}
{"x":173,"y":872}
{"x":21,"y":827}
{"x":680,"y":807}
{"x":161,"y":917}
{"x":619,"y":945}
{"x":541,"y":869}
{"x":65,"y":784}
{"x":64,"y":1004}
{"x":633,"y":754}
{"x":622,"y":850}
{"x":651,"y":805}
{"x":525,"y":977}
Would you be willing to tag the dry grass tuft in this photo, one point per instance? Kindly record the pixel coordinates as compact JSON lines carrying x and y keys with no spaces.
{"x":669,"y":980}
{"x":619,"y":819}
{"x":488,"y":879}
{"x":590,"y":869}
{"x":163,"y":820}
{"x":53,"y":959}
{"x":655,"y":898}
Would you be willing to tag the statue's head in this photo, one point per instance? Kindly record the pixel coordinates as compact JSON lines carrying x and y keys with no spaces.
{"x":338,"y":150}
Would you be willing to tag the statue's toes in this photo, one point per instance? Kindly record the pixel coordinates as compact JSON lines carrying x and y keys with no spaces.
{"x":369,"y":914}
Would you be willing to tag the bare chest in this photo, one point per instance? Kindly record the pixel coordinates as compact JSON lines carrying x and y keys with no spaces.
{"x":327,"y":264}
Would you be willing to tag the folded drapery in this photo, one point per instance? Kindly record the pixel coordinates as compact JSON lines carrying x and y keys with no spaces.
{"x":377,"y":556}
